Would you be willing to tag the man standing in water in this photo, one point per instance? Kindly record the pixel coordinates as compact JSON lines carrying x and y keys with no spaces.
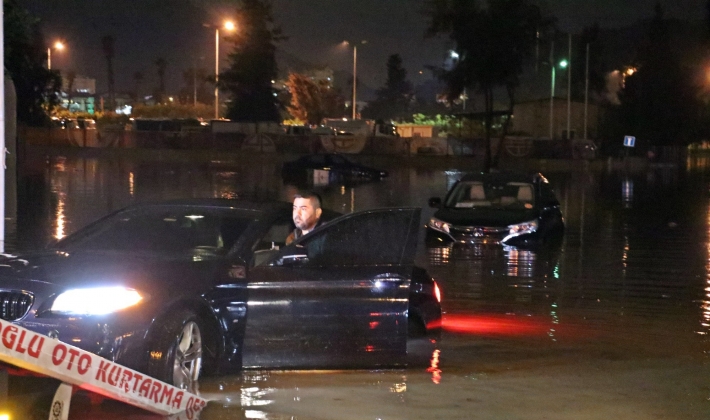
{"x":306,"y":214}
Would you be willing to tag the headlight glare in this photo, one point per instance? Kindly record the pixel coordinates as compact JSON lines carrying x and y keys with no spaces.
{"x":439,"y":225}
{"x":95,"y":301}
{"x":522,"y":228}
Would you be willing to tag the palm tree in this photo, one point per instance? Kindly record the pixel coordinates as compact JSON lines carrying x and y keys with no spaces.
{"x":138,"y":79}
{"x":107,"y":44}
{"x":161,"y":64}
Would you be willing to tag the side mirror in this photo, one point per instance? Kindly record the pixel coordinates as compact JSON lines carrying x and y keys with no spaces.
{"x":435,"y":202}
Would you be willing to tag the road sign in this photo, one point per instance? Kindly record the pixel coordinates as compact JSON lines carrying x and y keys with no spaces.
{"x":38,"y":353}
{"x":629,"y":141}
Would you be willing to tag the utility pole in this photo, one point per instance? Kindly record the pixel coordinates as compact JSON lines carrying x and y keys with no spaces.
{"x":552,"y":90}
{"x":569,"y":86}
{"x":586,"y":92}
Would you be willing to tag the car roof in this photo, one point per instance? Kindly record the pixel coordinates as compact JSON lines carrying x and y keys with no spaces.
{"x":221,"y":203}
{"x":502,"y":177}
{"x":263,"y":206}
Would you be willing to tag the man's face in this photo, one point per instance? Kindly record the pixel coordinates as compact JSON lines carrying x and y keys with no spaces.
{"x":305,"y":216}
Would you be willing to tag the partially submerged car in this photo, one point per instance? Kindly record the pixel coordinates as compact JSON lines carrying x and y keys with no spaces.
{"x":176,"y":288}
{"x":328,"y":168}
{"x":505,"y":208}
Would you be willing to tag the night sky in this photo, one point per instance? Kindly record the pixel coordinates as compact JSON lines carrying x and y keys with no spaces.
{"x":173,"y":29}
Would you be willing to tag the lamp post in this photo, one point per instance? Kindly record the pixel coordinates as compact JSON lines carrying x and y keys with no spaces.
{"x":354,"y":104}
{"x":58,"y":46}
{"x":563,"y":64}
{"x":230,"y":26}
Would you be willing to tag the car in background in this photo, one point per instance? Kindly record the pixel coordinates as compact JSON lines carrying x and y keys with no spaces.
{"x":176,"y":288}
{"x":501,"y":208}
{"x":328,"y":168}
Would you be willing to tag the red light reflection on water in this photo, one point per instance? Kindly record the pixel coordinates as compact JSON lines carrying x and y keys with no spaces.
{"x":506,"y":325}
{"x":434,"y":367}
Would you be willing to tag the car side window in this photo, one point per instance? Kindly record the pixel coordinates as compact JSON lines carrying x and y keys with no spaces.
{"x":365,"y":240}
{"x":275,"y":238}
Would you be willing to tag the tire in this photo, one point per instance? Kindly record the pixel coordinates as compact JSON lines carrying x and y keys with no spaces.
{"x":176,"y":349}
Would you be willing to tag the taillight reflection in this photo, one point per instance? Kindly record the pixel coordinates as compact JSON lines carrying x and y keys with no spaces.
{"x":505,"y":325}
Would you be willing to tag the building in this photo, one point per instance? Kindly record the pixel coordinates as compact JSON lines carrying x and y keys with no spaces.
{"x":78,"y":93}
{"x":532,"y":118}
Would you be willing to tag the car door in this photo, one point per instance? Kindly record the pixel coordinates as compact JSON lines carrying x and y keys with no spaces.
{"x":339,"y":295}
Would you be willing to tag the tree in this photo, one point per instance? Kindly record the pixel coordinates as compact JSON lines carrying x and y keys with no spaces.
{"x":195,"y":89}
{"x":393,"y":99}
{"x":660,"y":103}
{"x":25,"y":59}
{"x":312,"y":101}
{"x":107,"y":45}
{"x":252,"y":65}
{"x":138,"y":80}
{"x":161,"y":65}
{"x":493,"y":43}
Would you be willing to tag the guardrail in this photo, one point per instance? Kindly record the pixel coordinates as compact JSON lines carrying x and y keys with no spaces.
{"x":40,"y":354}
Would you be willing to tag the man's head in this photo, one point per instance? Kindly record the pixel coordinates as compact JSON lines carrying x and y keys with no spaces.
{"x":306,"y":211}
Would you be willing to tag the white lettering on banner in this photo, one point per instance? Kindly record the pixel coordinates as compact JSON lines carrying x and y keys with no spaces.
{"x":38,"y":353}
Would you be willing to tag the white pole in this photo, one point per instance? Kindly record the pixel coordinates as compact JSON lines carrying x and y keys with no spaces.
{"x":586,"y":92}
{"x":216,"y":73}
{"x":552,"y":89}
{"x":569,"y":87}
{"x":49,"y":58}
{"x":2,"y":133}
{"x":354,"y":81}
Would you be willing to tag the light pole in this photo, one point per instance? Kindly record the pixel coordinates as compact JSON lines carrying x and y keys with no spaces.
{"x":563,"y":64}
{"x":230,"y":26}
{"x":58,"y":46}
{"x":569,"y":86}
{"x":354,"y":104}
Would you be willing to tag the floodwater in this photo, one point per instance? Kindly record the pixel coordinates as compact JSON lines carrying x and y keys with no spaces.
{"x":614,"y":324}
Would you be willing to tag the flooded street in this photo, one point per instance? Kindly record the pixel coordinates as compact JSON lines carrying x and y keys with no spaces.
{"x":613,"y":324}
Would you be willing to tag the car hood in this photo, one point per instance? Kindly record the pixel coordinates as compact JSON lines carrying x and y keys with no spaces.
{"x":485,"y":216}
{"x":153,"y":274}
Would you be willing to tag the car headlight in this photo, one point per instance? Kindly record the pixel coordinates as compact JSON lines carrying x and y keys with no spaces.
{"x":439,"y":225}
{"x":95,"y":301}
{"x":523,"y":228}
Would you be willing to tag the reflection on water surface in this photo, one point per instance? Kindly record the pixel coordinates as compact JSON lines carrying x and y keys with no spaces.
{"x":630,"y":284}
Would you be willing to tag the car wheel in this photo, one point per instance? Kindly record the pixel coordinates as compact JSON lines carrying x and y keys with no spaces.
{"x":175,"y":356}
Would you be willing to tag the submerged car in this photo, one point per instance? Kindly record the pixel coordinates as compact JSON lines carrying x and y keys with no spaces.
{"x":328,"y":168}
{"x":172,"y":289}
{"x":511,"y":209}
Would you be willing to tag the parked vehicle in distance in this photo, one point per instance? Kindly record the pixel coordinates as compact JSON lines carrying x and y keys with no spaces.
{"x":497,"y":208}
{"x":176,"y":288}
{"x":328,"y":168}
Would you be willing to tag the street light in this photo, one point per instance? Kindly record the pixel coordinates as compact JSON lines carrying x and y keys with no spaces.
{"x":355,"y":76}
{"x":57,"y":46}
{"x":230,"y":26}
{"x":563,"y":64}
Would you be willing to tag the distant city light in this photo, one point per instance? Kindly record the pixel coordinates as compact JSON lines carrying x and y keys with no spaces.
{"x":229,"y":25}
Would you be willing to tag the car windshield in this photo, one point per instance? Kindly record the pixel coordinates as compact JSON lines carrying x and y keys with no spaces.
{"x":512,"y":195}
{"x":160,"y":229}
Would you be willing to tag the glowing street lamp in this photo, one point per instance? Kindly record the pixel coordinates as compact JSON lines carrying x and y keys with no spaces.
{"x":229,"y":26}
{"x":57,"y":46}
{"x":563,"y":64}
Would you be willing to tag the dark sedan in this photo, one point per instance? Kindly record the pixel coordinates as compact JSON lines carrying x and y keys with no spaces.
{"x":173,"y":289}
{"x":328,"y":168}
{"x":497,"y":208}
